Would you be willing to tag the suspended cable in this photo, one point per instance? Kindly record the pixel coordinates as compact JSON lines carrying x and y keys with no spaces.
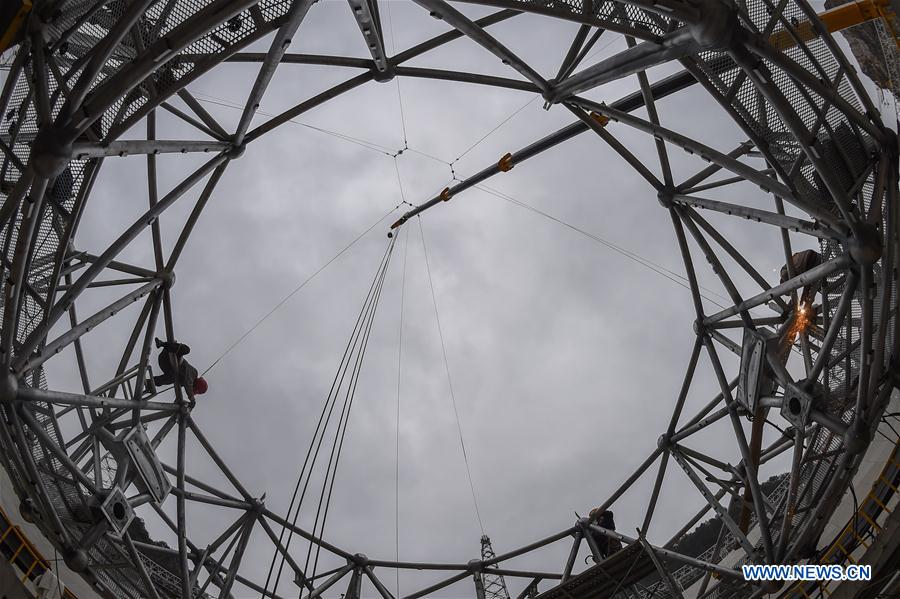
{"x":343,"y":421}
{"x":304,"y":477}
{"x":400,"y":183}
{"x":397,"y":453}
{"x":660,"y":270}
{"x":492,"y":131}
{"x":437,"y":317}
{"x":295,"y":291}
{"x":355,"y":140}
{"x":397,"y":79}
{"x":429,"y":156}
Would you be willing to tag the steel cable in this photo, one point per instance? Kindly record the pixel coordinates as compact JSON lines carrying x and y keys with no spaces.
{"x":304,"y":477}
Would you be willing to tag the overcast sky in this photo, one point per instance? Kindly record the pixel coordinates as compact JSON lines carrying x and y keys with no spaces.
{"x":565,"y":356}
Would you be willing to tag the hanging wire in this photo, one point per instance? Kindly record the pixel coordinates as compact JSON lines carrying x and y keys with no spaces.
{"x":437,"y":317}
{"x":337,"y":446}
{"x":494,"y":130}
{"x":296,"y":289}
{"x":397,"y":79}
{"x":429,"y":156}
{"x":208,"y":99}
{"x":660,"y":270}
{"x":397,"y":454}
{"x":400,"y":183}
{"x":312,"y":454}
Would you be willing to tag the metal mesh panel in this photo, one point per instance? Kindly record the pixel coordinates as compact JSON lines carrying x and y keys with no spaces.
{"x":69,"y":500}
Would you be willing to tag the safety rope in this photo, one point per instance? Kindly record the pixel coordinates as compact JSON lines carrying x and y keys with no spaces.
{"x":355,"y":348}
{"x":437,"y":317}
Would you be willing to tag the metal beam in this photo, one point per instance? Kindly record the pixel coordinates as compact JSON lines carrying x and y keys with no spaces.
{"x":459,"y":21}
{"x":636,"y":59}
{"x":367,"y":17}
{"x":86,"y":150}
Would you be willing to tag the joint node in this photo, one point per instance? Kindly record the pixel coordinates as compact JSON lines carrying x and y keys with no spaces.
{"x":717,"y":27}
{"x":28,"y":511}
{"x":475,"y":566}
{"x":9,"y":388}
{"x":385,"y":75}
{"x":168,"y":278}
{"x":360,"y":559}
{"x":76,"y":559}
{"x":856,"y":441}
{"x":664,"y":442}
{"x":699,"y":328}
{"x":236,"y":151}
{"x":865,"y":245}
{"x":666,"y":198}
{"x":51,"y":150}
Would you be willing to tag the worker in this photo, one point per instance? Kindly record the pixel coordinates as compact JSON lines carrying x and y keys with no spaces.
{"x":176,"y":368}
{"x":605,"y":544}
{"x":802,"y":262}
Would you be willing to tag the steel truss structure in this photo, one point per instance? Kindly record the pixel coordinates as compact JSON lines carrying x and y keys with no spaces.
{"x":89,"y":70}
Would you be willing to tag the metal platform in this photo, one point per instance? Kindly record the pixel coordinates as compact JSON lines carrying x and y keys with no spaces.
{"x":606,"y":579}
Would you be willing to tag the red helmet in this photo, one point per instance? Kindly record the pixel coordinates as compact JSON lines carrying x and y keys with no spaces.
{"x":200,"y":386}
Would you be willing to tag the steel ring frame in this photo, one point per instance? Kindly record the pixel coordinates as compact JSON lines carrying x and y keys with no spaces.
{"x":85,"y":74}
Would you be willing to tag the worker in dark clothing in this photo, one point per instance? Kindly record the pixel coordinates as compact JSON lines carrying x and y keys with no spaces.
{"x":800,"y":263}
{"x":176,"y":368}
{"x":606,"y":545}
